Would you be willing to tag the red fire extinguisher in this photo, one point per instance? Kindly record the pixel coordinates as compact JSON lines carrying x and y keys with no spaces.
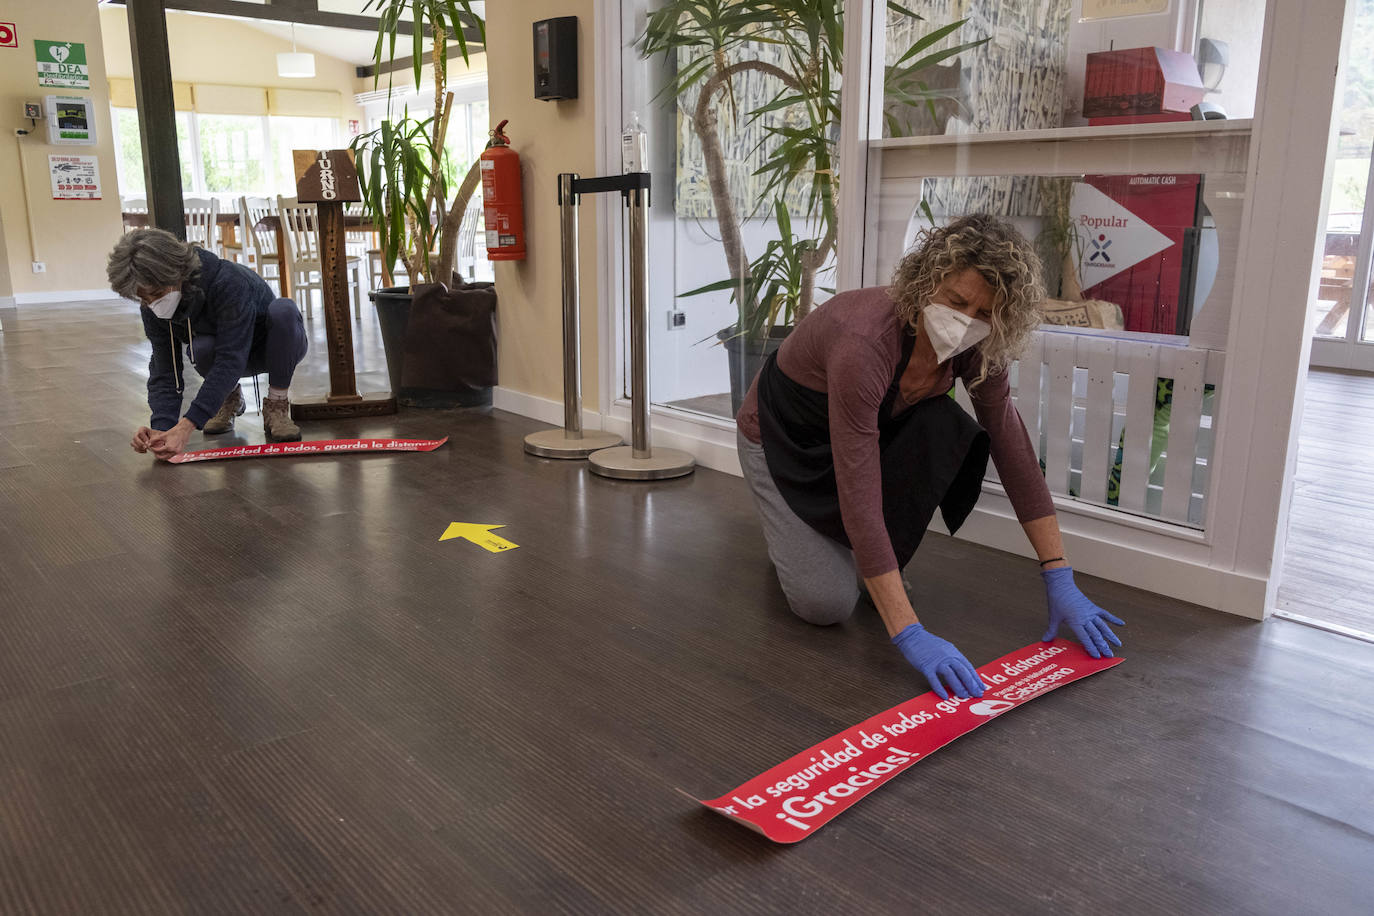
{"x":502,"y":204}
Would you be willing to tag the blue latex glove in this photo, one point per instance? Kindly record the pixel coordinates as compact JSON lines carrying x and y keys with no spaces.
{"x":1086,"y":620}
{"x":938,"y":660}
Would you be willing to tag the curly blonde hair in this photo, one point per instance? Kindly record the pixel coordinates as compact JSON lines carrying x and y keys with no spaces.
{"x":1002,"y":256}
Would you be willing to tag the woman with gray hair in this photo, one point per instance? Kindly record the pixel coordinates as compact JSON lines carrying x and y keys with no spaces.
{"x":230,"y":323}
{"x":849,"y":442}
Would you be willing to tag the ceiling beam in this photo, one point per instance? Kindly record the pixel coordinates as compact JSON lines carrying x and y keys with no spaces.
{"x":302,"y":12}
{"x":408,"y":62}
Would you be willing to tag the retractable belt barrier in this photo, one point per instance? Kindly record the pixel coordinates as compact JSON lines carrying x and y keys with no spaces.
{"x":639,"y":460}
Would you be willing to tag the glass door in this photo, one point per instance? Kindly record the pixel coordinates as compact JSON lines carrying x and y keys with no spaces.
{"x":1343,"y":337}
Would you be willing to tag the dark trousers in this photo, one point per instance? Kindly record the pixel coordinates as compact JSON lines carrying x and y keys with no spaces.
{"x":278,"y":355}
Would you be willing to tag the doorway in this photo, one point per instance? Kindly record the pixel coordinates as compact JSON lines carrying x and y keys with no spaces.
{"x":1328,"y":568}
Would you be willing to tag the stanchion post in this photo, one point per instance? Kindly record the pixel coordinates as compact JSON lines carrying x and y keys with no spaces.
{"x":570,"y":441}
{"x":639,"y":460}
{"x":568,"y":212}
{"x":639,"y":324}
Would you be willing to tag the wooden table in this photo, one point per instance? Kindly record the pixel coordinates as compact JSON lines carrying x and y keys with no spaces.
{"x":273,"y":222}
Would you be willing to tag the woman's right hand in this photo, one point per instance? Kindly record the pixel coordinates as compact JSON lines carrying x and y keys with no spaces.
{"x":143,"y":437}
{"x":939,"y":661}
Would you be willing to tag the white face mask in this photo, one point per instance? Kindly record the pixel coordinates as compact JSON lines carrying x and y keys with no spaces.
{"x":165,"y":306}
{"x":951,"y":332}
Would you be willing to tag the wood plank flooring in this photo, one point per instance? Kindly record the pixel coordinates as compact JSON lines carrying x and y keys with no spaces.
{"x":1328,"y":569}
{"x":266,"y":687}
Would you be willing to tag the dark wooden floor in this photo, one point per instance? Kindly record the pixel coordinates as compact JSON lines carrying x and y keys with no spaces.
{"x":1328,"y":571}
{"x":259,"y":687}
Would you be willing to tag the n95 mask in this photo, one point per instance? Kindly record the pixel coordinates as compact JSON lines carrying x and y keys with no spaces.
{"x":951,"y":332}
{"x":165,"y":306}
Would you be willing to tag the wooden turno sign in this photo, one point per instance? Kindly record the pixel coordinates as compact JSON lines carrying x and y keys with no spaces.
{"x":326,"y":176}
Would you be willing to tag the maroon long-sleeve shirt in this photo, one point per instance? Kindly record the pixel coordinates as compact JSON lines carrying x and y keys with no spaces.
{"x":849,"y":348}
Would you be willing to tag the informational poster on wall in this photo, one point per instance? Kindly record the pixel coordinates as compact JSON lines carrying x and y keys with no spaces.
{"x":74,"y":177}
{"x":1116,"y":9}
{"x":62,"y":64}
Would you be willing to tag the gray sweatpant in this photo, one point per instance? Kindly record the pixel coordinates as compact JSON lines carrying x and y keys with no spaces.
{"x":816,"y":574}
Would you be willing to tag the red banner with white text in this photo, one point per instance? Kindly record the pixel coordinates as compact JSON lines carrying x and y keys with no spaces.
{"x":318,"y":447}
{"x":795,"y":798}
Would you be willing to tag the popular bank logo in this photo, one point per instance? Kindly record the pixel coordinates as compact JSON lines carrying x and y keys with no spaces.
{"x":1100,"y":246}
{"x":1111,"y":238}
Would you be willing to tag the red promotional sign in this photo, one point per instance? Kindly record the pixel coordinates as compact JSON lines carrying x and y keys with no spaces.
{"x":318,"y":447}
{"x":795,"y":798}
{"x":9,"y":35}
{"x":1149,"y":290}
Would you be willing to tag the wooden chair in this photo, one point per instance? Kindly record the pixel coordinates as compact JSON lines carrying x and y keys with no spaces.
{"x":202,"y":222}
{"x":232,"y":241}
{"x":300,"y":227}
{"x":133,"y":205}
{"x":260,"y":243}
{"x":375,"y":274}
{"x":467,"y":242}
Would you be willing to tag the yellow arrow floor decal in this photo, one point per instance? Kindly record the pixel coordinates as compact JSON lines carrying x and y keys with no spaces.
{"x":478,"y":534}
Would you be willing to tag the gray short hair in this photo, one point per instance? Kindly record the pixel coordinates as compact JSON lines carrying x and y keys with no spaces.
{"x":150,"y":259}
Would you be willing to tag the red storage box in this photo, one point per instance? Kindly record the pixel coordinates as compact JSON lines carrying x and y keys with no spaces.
{"x":1140,"y":81}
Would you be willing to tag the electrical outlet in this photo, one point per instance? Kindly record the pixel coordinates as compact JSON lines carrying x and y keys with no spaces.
{"x":677,"y":321}
{"x":39,"y":267}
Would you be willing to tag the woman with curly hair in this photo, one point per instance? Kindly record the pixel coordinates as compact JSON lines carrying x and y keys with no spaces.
{"x":230,"y":324}
{"x":849,"y":442}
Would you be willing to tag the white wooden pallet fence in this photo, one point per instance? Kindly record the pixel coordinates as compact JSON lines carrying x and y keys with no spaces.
{"x":1083,"y":398}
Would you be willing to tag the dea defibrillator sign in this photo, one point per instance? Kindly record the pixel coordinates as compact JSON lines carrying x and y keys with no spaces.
{"x":62,"y":64}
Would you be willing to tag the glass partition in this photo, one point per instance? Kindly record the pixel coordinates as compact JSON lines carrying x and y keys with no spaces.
{"x":992,"y":66}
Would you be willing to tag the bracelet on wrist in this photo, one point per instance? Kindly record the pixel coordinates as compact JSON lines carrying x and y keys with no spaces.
{"x":1050,"y":560}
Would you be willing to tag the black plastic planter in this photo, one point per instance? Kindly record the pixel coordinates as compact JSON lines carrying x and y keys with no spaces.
{"x":440,"y":343}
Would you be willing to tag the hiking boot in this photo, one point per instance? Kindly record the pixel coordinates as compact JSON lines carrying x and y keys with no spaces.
{"x":276,"y":421}
{"x":223,"y":420}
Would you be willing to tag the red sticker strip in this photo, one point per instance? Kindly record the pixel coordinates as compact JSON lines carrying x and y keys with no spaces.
{"x":318,"y":447}
{"x":795,"y":798}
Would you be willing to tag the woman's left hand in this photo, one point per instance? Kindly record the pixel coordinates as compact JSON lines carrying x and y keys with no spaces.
{"x":1086,"y":620}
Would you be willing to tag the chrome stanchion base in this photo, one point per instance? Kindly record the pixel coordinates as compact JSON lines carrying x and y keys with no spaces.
{"x":661,"y":464}
{"x":554,"y":443}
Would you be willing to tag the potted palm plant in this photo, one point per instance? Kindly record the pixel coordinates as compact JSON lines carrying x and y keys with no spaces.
{"x":797,"y":45}
{"x":417,"y":216}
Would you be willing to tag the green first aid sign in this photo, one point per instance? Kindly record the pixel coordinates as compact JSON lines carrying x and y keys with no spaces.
{"x":62,"y":64}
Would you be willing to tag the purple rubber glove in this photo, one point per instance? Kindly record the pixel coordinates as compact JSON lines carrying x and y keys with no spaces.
{"x":938,"y":660}
{"x":1087,"y":621}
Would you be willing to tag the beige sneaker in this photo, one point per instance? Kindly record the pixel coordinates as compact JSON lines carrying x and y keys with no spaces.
{"x":223,"y":420}
{"x":276,"y":421}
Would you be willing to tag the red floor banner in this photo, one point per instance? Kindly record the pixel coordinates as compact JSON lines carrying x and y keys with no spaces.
{"x":317,"y":447}
{"x":795,"y":798}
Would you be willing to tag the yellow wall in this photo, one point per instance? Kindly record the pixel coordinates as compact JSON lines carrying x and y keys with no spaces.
{"x":206,"y":49}
{"x":67,"y":230}
{"x":551,"y":137}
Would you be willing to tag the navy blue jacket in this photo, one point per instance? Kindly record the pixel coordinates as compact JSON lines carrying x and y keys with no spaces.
{"x":223,"y":300}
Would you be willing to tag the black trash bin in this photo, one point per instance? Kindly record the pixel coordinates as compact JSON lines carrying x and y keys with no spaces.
{"x":440,"y":343}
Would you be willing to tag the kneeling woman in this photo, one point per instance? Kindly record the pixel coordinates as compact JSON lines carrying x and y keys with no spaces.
{"x":849,"y":441}
{"x":230,"y":323}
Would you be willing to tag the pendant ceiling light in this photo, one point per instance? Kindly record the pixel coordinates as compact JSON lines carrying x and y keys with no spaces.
{"x":294,"y":65}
